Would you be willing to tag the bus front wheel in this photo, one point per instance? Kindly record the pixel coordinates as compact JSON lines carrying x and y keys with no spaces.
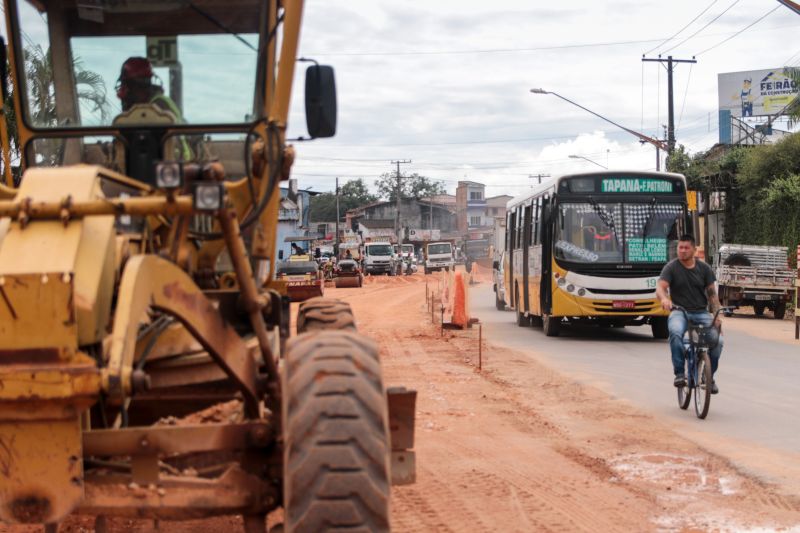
{"x":660,"y":328}
{"x":551,"y":325}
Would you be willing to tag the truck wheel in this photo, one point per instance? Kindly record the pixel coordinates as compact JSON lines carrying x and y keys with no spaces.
{"x":336,"y":435}
{"x":759,"y":308}
{"x":318,"y":314}
{"x":780,"y":310}
{"x":660,"y":328}
{"x":551,"y":325}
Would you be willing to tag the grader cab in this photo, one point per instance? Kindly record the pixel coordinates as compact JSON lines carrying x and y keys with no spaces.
{"x":137,"y":279}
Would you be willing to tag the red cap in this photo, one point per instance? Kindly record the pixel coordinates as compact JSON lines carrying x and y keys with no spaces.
{"x":136,"y":67}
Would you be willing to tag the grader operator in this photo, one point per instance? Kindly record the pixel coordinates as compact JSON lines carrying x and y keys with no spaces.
{"x":137,"y":259}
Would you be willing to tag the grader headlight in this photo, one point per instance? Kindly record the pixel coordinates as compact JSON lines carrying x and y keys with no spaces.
{"x":169,"y":175}
{"x":208,"y":196}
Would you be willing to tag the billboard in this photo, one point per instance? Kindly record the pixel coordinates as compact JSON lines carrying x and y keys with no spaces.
{"x":755,"y":92}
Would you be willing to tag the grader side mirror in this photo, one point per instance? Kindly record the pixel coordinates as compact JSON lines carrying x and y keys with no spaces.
{"x":496,"y":265}
{"x":320,"y":101}
{"x":280,"y":255}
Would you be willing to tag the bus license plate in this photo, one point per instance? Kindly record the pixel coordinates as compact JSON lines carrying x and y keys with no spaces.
{"x":763,"y":297}
{"x":623,"y":304}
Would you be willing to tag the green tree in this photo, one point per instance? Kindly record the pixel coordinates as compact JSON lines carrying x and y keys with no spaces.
{"x":413,"y":186}
{"x":352,"y":194}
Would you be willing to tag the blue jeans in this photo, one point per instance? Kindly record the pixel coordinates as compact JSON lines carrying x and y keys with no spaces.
{"x":677,"y":329}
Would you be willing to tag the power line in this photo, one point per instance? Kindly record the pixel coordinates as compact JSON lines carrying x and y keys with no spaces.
{"x":712,"y":21}
{"x":680,"y":30}
{"x":685,"y":92}
{"x":762,"y":17}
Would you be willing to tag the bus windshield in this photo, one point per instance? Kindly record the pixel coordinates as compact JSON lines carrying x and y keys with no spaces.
{"x":617,"y":232}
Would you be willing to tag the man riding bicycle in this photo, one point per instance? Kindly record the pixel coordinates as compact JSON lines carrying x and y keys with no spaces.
{"x":691,"y":285}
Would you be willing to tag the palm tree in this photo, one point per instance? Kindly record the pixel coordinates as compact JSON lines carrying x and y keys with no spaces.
{"x":793,"y":109}
{"x":91,"y":90}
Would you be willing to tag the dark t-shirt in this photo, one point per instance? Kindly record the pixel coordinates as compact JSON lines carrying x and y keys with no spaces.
{"x":687,"y":286}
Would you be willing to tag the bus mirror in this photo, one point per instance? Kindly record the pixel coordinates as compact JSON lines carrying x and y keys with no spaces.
{"x":280,"y":255}
{"x":320,"y":101}
{"x":496,"y":265}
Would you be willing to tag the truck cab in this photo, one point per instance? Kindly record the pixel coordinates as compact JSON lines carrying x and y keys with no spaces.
{"x":438,"y":256}
{"x":379,"y":258}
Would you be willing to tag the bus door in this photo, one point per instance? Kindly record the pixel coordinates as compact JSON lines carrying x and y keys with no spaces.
{"x":508,"y":278}
{"x":525,"y":249}
{"x":549,"y":219}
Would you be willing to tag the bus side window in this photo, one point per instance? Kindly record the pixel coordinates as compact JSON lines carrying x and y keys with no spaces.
{"x":536,"y":238}
{"x":520,"y":227}
{"x":510,"y":229}
{"x":528,"y":234}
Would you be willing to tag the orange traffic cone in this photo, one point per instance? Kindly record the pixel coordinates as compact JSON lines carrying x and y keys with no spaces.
{"x":460,"y":302}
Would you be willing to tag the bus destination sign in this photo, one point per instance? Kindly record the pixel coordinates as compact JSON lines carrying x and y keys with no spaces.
{"x":636,"y":185}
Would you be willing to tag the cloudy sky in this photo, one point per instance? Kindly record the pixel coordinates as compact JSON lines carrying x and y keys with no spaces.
{"x":446,"y":84}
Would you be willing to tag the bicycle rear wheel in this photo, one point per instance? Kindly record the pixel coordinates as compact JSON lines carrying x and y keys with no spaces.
{"x":702,"y":391}
{"x":684,"y":396}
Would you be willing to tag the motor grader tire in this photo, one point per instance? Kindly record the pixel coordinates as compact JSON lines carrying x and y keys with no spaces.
{"x":336,"y":435}
{"x":316,"y":314}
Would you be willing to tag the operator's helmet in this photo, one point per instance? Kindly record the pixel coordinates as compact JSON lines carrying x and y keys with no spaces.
{"x":136,"y":72}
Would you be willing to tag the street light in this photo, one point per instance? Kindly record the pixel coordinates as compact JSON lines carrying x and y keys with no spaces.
{"x":660,"y":145}
{"x":573,"y":156}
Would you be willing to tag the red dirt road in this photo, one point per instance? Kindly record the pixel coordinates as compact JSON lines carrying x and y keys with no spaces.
{"x":518,"y":447}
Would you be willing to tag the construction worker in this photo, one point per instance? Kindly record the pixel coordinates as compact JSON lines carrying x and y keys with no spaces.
{"x":135,"y":86}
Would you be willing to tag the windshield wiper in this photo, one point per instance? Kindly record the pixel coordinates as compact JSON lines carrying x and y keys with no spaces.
{"x":649,"y":217}
{"x":604,"y":217}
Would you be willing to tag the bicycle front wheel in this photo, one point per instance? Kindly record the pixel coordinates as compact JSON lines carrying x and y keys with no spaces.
{"x":702,"y":391}
{"x":685,"y":392}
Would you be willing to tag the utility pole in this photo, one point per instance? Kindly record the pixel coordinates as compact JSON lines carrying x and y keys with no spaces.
{"x":670,"y":104}
{"x":336,"y":246}
{"x":397,"y":200}
{"x":539,"y":177}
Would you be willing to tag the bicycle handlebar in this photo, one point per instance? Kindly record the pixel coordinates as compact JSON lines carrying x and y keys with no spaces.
{"x":686,"y":313}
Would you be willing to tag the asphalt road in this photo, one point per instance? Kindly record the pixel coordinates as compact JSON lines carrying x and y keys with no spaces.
{"x":754,"y":421}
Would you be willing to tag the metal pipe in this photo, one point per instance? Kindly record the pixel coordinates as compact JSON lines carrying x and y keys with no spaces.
{"x":229,"y":224}
{"x":159,"y":205}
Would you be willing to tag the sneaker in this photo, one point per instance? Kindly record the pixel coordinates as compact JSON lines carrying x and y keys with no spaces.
{"x":680,"y":380}
{"x":714,"y":388}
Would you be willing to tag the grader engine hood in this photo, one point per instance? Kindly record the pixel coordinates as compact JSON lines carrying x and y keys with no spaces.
{"x":56,"y":283}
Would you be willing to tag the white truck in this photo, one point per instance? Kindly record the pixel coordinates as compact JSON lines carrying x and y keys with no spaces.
{"x":438,"y":256}
{"x":757,"y":276}
{"x":379,"y":258}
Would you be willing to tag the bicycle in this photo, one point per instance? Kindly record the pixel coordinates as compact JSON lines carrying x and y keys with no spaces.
{"x":698,"y":364}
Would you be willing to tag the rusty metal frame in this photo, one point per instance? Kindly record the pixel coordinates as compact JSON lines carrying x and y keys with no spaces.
{"x":168,"y":440}
{"x":179,"y":498}
{"x":150,"y":282}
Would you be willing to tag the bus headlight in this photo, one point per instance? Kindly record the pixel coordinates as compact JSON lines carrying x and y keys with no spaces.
{"x":570,"y":287}
{"x":561,"y":282}
{"x":581,"y":292}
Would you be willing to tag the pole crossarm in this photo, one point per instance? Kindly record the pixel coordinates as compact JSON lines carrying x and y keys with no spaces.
{"x":670,"y":61}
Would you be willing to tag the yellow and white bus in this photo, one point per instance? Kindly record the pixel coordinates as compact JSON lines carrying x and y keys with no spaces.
{"x":589,"y":248}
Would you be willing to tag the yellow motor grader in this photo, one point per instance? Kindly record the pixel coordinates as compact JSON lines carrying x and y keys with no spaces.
{"x":137,"y":289}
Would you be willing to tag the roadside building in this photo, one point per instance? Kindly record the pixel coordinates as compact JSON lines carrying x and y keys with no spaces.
{"x":420,"y":220}
{"x":292,"y":215}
